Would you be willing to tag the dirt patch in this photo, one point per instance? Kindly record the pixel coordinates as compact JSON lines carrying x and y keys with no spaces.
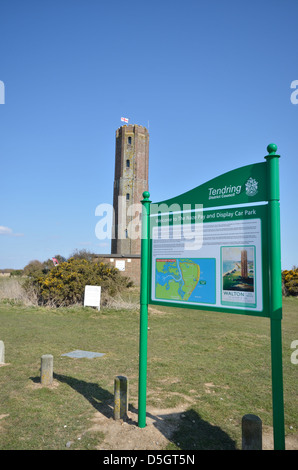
{"x":267,"y":439}
{"x":161,"y":425}
{"x":155,"y":311}
{"x":126,"y":435}
{"x":36,"y":384}
{"x":2,"y":416}
{"x":209,"y":387}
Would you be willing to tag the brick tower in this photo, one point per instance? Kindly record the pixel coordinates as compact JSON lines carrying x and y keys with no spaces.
{"x":131,"y":180}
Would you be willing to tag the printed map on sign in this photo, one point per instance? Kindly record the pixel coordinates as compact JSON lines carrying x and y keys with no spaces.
{"x":185,"y":279}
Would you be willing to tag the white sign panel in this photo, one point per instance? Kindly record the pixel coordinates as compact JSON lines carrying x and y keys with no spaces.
{"x":120,"y":264}
{"x":92,"y":296}
{"x":226,"y":270}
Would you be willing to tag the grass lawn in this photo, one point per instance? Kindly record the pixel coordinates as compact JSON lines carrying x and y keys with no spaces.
{"x":219,"y":364}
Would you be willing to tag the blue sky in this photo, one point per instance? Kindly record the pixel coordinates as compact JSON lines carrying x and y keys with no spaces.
{"x":212,"y":78}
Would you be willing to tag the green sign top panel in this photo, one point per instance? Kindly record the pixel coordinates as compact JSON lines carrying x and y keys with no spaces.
{"x":247,"y":184}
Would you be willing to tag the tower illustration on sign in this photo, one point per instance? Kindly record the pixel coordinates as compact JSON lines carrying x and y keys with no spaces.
{"x":244,"y":272}
{"x":130,"y":181}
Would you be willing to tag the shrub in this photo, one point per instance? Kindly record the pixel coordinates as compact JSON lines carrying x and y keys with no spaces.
{"x":64,"y":284}
{"x":84,"y":254}
{"x":33,"y":268}
{"x":16,"y":272}
{"x":290,"y":281}
{"x":36,"y":267}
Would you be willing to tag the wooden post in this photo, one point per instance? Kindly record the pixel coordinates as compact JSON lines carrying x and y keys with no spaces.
{"x":46,"y":370}
{"x":120,"y":397}
{"x":251,"y":432}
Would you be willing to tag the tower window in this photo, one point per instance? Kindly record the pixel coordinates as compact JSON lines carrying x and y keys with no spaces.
{"x":126,"y":233}
{"x":127,"y":163}
{"x":127,"y":196}
{"x":129,"y":140}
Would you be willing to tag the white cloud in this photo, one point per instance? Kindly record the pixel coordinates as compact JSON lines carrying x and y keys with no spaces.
{"x":5,"y":230}
{"x":8,"y":231}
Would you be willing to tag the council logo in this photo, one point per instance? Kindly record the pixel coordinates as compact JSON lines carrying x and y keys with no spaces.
{"x":251,"y":187}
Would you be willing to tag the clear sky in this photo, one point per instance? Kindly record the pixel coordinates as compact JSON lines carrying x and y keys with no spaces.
{"x":211,"y":77}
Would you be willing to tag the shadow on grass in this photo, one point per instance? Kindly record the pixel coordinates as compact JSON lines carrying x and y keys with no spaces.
{"x":185,"y":430}
{"x":188,"y":431}
{"x":102,"y":400}
{"x":194,"y":433}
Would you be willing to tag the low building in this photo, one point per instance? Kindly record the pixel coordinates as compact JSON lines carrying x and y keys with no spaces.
{"x":128,"y":265}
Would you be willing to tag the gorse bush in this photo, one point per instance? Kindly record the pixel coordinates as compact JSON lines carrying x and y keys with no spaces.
{"x":290,"y":281}
{"x":64,"y":285}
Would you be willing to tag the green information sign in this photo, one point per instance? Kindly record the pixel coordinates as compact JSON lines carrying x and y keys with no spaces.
{"x":217,"y":247}
{"x":217,"y":263}
{"x":209,"y":246}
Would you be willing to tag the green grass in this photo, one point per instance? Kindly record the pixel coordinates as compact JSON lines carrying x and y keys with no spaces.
{"x":219,"y":364}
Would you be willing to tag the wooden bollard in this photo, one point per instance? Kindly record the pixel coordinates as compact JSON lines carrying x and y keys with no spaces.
{"x":251,"y":432}
{"x":46,"y":370}
{"x":2,"y":352}
{"x":120,"y":397}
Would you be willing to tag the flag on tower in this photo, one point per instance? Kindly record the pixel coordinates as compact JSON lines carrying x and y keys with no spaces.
{"x":55,"y":261}
{"x":123,"y":119}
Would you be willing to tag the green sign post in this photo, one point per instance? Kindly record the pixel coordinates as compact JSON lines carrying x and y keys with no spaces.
{"x":217,"y":247}
{"x":275,"y":287}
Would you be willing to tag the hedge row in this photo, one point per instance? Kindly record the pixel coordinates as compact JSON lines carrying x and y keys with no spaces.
{"x":64,"y":284}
